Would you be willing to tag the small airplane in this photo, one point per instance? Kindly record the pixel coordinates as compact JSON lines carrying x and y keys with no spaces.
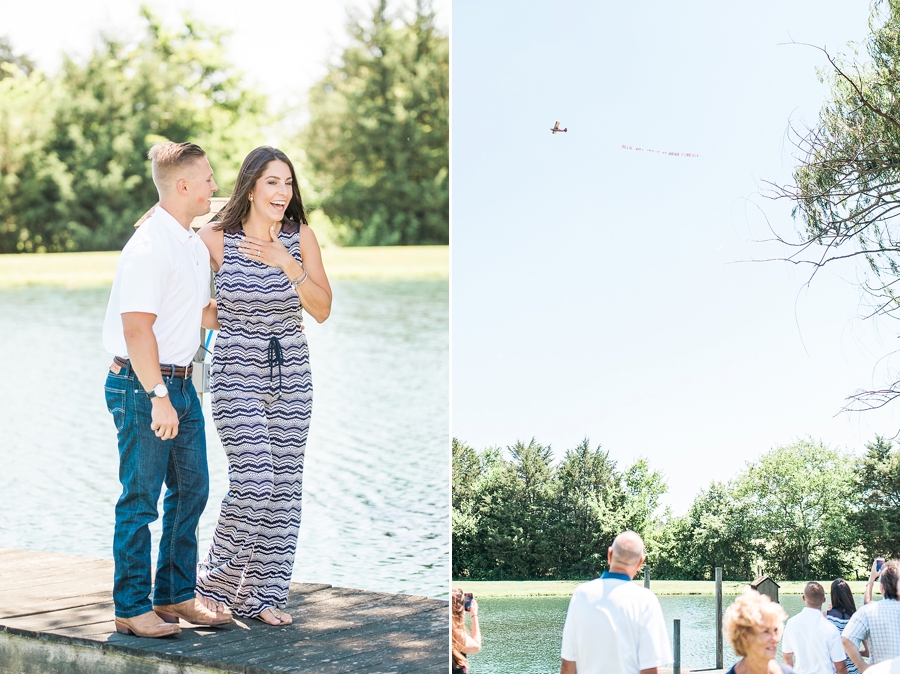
{"x":557,"y":130}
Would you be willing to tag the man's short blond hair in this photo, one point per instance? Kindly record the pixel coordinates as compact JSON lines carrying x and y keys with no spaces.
{"x":751,"y":613}
{"x":167,"y":161}
{"x":814,"y":593}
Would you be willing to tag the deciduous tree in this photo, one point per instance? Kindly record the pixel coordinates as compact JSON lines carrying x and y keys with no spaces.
{"x":796,"y":498}
{"x":89,"y":180}
{"x":846,"y":185}
{"x":8,"y":55}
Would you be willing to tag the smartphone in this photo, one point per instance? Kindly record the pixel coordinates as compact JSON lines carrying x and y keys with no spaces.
{"x":879,"y":562}
{"x":468,"y":596}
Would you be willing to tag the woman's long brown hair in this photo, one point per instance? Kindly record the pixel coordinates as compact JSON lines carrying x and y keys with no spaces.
{"x":458,"y":628}
{"x":842,"y":597}
{"x":232,"y":216}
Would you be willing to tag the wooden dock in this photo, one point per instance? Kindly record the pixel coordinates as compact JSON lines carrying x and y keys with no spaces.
{"x":56,"y":617}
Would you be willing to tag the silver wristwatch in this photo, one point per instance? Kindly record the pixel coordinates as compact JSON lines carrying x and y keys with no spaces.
{"x":158,"y":391}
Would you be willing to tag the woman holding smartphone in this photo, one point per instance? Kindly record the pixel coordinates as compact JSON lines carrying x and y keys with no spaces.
{"x":874,"y":575}
{"x":464,"y":643}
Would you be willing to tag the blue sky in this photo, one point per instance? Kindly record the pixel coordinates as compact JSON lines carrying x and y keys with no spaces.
{"x":602,"y":292}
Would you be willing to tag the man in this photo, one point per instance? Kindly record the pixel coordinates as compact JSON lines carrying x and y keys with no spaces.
{"x":877,"y":621}
{"x":811,"y":644}
{"x":159,"y":298}
{"x":614,"y":626}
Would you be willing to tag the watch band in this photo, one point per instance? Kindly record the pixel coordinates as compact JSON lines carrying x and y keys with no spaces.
{"x":153,"y":394}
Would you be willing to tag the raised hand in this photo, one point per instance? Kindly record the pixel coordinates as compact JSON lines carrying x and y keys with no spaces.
{"x":272,"y":253}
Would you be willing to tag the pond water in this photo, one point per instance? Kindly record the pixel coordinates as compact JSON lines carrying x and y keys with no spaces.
{"x":376,"y":484}
{"x":524,"y":634}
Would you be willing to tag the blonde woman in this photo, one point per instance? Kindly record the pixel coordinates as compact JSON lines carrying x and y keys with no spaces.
{"x":753,"y":625}
{"x":463,"y":643}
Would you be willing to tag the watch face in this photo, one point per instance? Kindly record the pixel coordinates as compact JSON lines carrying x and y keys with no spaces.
{"x":160,"y":390}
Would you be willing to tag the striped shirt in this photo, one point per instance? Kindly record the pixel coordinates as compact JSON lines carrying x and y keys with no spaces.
{"x":841,"y":623}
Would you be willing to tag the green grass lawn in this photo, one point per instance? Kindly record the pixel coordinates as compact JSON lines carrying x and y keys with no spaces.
{"x":563,"y":588}
{"x":91,"y":270}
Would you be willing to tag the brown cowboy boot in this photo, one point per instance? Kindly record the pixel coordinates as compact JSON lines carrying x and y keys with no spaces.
{"x":193,"y":612}
{"x":146,"y":625}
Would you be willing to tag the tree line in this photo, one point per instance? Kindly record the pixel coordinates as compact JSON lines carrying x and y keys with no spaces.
{"x":374,"y":155}
{"x":799,"y":511}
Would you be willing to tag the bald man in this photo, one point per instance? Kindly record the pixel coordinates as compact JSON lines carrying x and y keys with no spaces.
{"x":614,"y":626}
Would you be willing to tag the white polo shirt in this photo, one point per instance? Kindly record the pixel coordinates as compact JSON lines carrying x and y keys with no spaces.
{"x":163,"y":270}
{"x":815,"y":642}
{"x":614,"y":626}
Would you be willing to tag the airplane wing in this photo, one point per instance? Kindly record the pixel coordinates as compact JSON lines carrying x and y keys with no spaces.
{"x":556,"y":126}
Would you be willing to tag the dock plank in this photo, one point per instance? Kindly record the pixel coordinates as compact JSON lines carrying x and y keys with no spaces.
{"x":242,"y":640}
{"x":52,"y":586}
{"x":374,"y":643}
{"x":333,"y":634}
{"x":33,"y":577}
{"x":20,"y":609}
{"x":65,"y":602}
{"x":48,"y":621}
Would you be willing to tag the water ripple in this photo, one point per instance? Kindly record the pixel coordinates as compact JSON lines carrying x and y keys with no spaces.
{"x":375,"y":512}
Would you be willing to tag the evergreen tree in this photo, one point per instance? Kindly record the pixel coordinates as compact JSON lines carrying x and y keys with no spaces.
{"x":588,"y":515}
{"x":877,"y":496}
{"x":378,"y":139}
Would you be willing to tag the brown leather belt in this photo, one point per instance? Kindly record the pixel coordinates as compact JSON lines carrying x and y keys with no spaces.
{"x":177,"y":371}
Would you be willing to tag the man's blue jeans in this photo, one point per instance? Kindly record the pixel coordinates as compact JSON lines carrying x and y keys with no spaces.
{"x":145,"y":462}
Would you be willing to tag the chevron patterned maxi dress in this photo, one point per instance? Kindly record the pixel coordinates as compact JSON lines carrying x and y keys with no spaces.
{"x":261,"y":389}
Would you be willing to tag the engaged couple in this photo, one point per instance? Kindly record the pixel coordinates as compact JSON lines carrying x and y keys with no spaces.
{"x":268,"y":270}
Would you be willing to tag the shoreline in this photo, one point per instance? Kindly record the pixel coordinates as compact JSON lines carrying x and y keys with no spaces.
{"x":97,"y":269}
{"x":499,"y":589}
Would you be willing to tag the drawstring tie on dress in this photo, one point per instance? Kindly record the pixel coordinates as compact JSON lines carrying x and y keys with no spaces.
{"x":275,"y":357}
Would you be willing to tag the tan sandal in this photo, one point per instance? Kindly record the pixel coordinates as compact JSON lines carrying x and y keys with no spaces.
{"x":285,"y":618}
{"x":275,"y":614}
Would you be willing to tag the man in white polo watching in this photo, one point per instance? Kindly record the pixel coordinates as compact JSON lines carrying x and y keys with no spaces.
{"x":811,"y":644}
{"x":160,"y":297}
{"x":614,"y":626}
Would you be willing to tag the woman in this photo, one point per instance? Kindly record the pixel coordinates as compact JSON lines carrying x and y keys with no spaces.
{"x":842,"y":607}
{"x":268,"y":270}
{"x":463,"y":643}
{"x":753,"y":625}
